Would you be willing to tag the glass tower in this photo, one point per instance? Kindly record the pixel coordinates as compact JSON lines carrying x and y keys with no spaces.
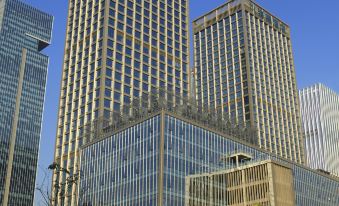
{"x":24,"y":33}
{"x":320,"y":116}
{"x":244,"y":68}
{"x":116,"y":50}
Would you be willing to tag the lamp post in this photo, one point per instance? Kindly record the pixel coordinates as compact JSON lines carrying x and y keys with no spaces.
{"x":57,"y":168}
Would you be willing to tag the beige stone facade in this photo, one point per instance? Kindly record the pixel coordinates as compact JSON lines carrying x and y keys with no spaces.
{"x":115,"y":52}
{"x":244,"y":68}
{"x":266,"y":183}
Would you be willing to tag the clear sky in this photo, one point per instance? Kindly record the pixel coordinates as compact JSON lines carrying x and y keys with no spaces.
{"x":315,"y":41}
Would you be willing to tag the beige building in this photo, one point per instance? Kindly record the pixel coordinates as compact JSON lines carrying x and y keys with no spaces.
{"x":267,"y":183}
{"x":245,"y":69}
{"x":115,"y":51}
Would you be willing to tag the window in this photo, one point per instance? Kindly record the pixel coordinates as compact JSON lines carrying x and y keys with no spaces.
{"x":118,"y":67}
{"x":108,"y":83}
{"x":108,"y":72}
{"x":118,"y":56}
{"x":127,"y":89}
{"x":107,"y":103}
{"x":117,"y":96}
{"x":109,"y":53}
{"x":110,"y":43}
{"x":118,"y":76}
{"x":110,"y":32}
{"x":108,"y":93}
{"x":136,"y":83}
{"x":117,"y":86}
{"x":116,"y":106}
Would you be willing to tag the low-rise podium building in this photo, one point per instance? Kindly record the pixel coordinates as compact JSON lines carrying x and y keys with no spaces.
{"x":146,"y":162}
{"x":265,"y":183}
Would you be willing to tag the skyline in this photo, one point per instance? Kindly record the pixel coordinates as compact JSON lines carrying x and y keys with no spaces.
{"x":307,"y":67}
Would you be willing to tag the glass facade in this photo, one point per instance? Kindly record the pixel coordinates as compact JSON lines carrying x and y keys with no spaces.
{"x":146,"y":164}
{"x":190,"y":149}
{"x":116,"y":51}
{"x":24,"y":32}
{"x":312,"y":188}
{"x":123,"y":169}
{"x":221,"y":68}
{"x":245,"y":69}
{"x":320,"y":116}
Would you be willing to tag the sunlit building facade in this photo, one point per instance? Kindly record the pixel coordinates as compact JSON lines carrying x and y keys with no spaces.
{"x":266,"y":183}
{"x":115,"y":51}
{"x":147,"y":162}
{"x":320,"y":116}
{"x":245,"y":69}
{"x":24,"y":33}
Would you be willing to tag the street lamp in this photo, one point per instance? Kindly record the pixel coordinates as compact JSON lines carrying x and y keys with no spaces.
{"x":72,"y":179}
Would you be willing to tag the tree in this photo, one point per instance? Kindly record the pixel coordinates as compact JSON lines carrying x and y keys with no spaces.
{"x":44,"y":188}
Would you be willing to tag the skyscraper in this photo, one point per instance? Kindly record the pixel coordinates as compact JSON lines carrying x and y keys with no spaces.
{"x":115,"y":51}
{"x":24,"y":33}
{"x":244,"y":68}
{"x":320,"y":116}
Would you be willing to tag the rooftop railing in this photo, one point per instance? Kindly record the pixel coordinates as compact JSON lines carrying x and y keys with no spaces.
{"x":149,"y":104}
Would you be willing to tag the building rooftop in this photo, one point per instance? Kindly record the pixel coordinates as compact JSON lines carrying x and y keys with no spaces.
{"x":134,"y":113}
{"x":319,"y":86}
{"x":150,"y":105}
{"x":270,"y":159}
{"x":213,"y":14}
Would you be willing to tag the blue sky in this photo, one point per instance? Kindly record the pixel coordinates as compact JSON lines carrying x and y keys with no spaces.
{"x":315,"y":40}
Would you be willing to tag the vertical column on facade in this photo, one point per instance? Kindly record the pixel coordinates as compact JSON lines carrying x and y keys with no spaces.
{"x":244,"y":186}
{"x":14,"y":128}
{"x":246,"y":24}
{"x":270,"y":176}
{"x":161,"y":159}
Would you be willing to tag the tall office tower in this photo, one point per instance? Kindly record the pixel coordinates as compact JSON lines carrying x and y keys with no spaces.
{"x":244,"y":68}
{"x":115,"y":51}
{"x":320,"y":116}
{"x":192,"y":83}
{"x":24,"y":33}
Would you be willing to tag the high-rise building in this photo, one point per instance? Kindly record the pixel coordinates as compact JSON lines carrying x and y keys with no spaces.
{"x":24,"y":33}
{"x":115,"y":51}
{"x":244,"y":68}
{"x":320,"y":116}
{"x":146,"y":161}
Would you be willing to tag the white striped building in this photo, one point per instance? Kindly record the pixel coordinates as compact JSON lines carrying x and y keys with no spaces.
{"x":320,"y":116}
